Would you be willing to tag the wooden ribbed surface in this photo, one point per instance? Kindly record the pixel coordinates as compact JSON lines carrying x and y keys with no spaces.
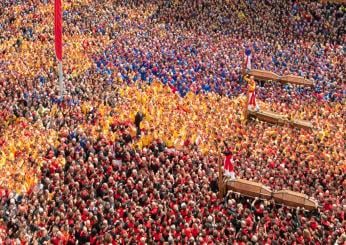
{"x":268,"y":75}
{"x":272,"y":117}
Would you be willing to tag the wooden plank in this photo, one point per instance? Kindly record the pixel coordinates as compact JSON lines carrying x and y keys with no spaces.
{"x":285,"y":197}
{"x":296,"y":80}
{"x":302,"y":123}
{"x":264,"y":75}
{"x":333,"y":1}
{"x":295,"y":199}
{"x":267,"y":116}
{"x":274,"y":118}
{"x":268,"y":75}
{"x":249,"y":188}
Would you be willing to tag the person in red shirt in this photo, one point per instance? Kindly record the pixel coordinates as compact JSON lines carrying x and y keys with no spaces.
{"x":228,"y":162}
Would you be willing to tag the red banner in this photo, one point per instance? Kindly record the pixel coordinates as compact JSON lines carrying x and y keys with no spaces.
{"x":58,"y":28}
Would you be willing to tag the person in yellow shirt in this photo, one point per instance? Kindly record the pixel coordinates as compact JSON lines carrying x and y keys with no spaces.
{"x":2,"y":159}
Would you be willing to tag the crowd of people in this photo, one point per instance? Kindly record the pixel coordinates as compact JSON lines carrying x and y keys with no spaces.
{"x":270,"y":19}
{"x":213,"y":62}
{"x":74,"y":169}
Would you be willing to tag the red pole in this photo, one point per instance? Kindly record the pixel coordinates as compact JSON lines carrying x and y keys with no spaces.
{"x":58,"y":41}
{"x":58,"y":28}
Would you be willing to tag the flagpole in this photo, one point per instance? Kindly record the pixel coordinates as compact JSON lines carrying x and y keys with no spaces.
{"x":61,"y":82}
{"x":221,"y":185}
{"x":58,"y":42}
{"x":221,"y":188}
{"x":246,"y":104}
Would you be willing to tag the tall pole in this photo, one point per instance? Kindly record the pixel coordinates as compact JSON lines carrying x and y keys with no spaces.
{"x":58,"y":41}
{"x":61,"y":81}
{"x":246,"y":109}
{"x":246,"y":70}
{"x":220,"y":170}
{"x":220,"y":180}
{"x":246,"y":102}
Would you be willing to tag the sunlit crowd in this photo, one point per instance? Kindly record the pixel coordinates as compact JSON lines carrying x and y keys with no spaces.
{"x":74,"y":170}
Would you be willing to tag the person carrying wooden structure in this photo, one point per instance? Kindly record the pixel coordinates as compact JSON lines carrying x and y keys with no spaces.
{"x":252,"y":109}
{"x":251,"y":93}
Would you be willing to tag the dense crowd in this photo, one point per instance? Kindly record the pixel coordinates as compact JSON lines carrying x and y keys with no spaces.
{"x":74,"y":169}
{"x":106,"y":192}
{"x":213,"y":62}
{"x":270,"y":19}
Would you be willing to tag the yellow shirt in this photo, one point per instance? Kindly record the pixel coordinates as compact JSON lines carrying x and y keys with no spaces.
{"x":252,"y":86}
{"x":2,"y":159}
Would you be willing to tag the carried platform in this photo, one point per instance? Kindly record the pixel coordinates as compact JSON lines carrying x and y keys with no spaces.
{"x":295,"y":199}
{"x":263,"y":75}
{"x":248,"y":188}
{"x":254,"y":189}
{"x":274,"y":118}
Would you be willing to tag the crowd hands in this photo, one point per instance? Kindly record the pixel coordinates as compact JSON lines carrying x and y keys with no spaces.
{"x":99,"y":183}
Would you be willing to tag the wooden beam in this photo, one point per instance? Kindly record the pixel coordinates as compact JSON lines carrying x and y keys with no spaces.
{"x":274,"y":118}
{"x":264,"y":75}
{"x":295,"y":199}
{"x":296,"y":80}
{"x":333,"y":1}
{"x":221,"y":184}
{"x":248,"y":188}
{"x":268,"y":75}
{"x":285,"y":197}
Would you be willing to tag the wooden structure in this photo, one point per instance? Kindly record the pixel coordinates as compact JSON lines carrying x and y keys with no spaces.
{"x":222,"y":187}
{"x":254,"y":189}
{"x":274,"y":118}
{"x":295,"y":199}
{"x":264,"y":75}
{"x":333,"y":1}
{"x":271,"y":76}
{"x":249,"y":188}
{"x":296,"y":80}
